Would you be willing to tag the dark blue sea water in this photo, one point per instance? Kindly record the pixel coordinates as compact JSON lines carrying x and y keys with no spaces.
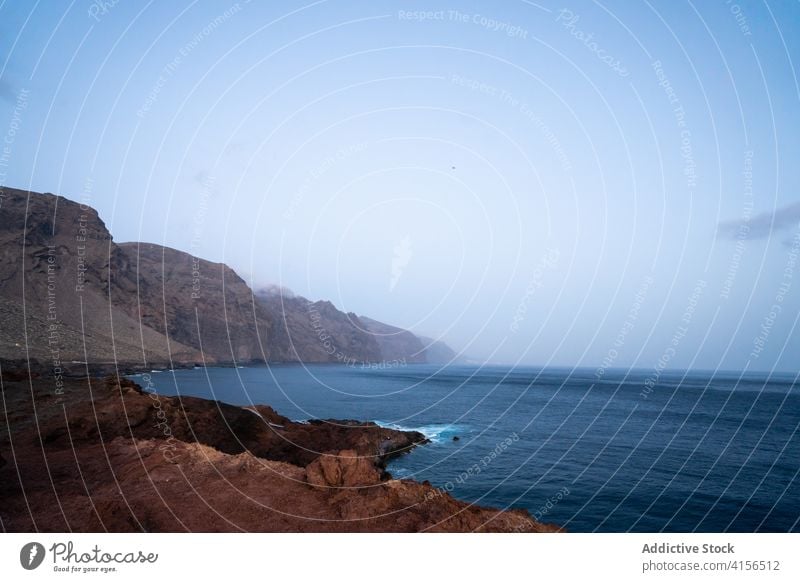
{"x":702,"y":452}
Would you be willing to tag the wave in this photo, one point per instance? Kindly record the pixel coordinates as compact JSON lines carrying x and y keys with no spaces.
{"x":402,"y":473}
{"x":436,"y":433}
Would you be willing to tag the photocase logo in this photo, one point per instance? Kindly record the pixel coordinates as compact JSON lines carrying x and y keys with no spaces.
{"x":31,"y":555}
{"x":402,"y":256}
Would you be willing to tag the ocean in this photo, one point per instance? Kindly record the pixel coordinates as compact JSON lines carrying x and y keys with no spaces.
{"x":695,"y":451}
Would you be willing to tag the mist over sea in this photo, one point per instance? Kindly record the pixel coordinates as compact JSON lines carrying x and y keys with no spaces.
{"x":697,"y":451}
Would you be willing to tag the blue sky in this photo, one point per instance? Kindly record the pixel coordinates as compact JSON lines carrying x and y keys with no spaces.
{"x":540,"y":183}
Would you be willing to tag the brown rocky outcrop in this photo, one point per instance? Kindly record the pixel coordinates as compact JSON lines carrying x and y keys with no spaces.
{"x":343,"y":469}
{"x":101,"y":455}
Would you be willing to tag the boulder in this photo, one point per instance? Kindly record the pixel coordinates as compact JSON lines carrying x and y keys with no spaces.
{"x":343,"y":469}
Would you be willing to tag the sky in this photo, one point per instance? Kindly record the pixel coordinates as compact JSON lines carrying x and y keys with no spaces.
{"x":576,"y":184}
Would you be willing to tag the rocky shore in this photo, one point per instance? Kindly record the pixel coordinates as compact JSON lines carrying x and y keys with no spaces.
{"x":94,"y":455}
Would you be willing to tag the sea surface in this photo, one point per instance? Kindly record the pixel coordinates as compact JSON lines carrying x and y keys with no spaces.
{"x":701,"y":451}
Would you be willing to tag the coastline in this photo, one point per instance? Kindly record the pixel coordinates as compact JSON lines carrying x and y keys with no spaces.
{"x":120,"y":458}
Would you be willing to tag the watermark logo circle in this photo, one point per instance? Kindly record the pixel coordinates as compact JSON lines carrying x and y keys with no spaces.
{"x":31,"y":555}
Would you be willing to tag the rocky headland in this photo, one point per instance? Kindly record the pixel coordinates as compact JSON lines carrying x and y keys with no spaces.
{"x":108,"y":455}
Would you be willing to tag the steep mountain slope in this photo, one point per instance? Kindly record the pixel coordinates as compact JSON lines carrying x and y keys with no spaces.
{"x":70,"y":294}
{"x":316,"y":331}
{"x":195,"y":302}
{"x":58,"y":300}
{"x":396,"y":343}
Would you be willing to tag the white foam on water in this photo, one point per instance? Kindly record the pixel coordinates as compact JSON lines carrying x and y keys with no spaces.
{"x":436,"y":433}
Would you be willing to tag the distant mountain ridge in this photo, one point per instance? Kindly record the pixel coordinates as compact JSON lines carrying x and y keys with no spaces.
{"x":69,"y":294}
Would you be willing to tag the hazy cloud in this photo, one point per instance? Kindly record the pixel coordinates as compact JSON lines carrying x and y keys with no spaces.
{"x":273,"y":289}
{"x":763,"y":225}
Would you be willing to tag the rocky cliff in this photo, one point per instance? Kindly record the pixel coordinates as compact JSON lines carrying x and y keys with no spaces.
{"x":438,"y":352}
{"x":315,"y":331}
{"x":195,"y":302}
{"x":395,"y":343}
{"x":69,"y":294}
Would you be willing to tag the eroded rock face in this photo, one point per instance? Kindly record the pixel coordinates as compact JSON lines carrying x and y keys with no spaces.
{"x":107,"y":456}
{"x":58,"y":268}
{"x":343,"y":469}
{"x":193,"y":301}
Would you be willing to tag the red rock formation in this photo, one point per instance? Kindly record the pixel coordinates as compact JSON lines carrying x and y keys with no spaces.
{"x":106,"y":456}
{"x":343,"y":469}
